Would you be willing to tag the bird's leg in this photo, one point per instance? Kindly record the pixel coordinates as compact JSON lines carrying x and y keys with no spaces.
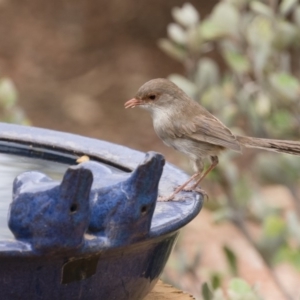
{"x":180,"y":188}
{"x":214,"y":162}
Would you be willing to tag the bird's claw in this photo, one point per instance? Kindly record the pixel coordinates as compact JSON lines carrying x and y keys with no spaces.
{"x":187,"y":189}
{"x":197,"y":190}
{"x":202,"y":192}
{"x":165,"y":198}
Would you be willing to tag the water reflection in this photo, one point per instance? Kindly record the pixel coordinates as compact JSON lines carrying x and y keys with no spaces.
{"x":10,"y":167}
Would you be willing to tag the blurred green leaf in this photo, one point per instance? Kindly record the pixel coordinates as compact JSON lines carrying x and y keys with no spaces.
{"x":287,"y":254}
{"x":207,"y":74}
{"x":241,"y":189}
{"x":262,"y":104}
{"x":8,"y":93}
{"x":260,"y":36}
{"x":261,"y":8}
{"x":273,"y":226}
{"x":286,"y":6}
{"x":280,"y":122}
{"x":296,"y":15}
{"x":286,"y":34}
{"x":293,"y":224}
{"x":231,"y":260}
{"x":223,"y":21}
{"x":187,"y":15}
{"x":213,"y":97}
{"x":206,"y":292}
{"x":229,"y":45}
{"x":286,"y":85}
{"x":216,"y":280}
{"x":226,"y":17}
{"x":260,"y":31}
{"x":176,"y":33}
{"x":194,"y":40}
{"x":261,"y":58}
{"x":189,"y":87}
{"x":229,"y":88}
{"x":210,"y":31}
{"x":237,"y":62}
{"x":239,"y":286}
{"x":174,"y":51}
{"x":239,"y":289}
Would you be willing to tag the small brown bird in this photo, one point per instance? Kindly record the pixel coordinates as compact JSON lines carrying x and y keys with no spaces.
{"x":186,"y":126}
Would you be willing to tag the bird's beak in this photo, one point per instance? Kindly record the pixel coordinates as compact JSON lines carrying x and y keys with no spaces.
{"x":133,"y":103}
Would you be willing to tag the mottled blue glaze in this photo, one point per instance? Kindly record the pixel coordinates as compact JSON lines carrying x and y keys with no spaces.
{"x":110,"y":263}
{"x":52,"y":217}
{"x":113,"y":274}
{"x":122,"y":212}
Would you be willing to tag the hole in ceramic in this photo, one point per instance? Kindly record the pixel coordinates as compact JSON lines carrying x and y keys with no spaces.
{"x":73,"y":208}
{"x":144,"y":209}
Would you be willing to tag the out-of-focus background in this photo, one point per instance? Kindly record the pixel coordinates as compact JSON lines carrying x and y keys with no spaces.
{"x":71,"y":65}
{"x":75,"y":63}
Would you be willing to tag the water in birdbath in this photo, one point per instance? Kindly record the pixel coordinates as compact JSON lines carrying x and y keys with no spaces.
{"x":10,"y":167}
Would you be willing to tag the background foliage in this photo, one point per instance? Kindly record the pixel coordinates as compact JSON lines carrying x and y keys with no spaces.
{"x":10,"y":111}
{"x":242,"y":64}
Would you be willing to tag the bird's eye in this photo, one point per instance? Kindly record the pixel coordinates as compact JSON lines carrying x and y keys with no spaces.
{"x":152,"y":97}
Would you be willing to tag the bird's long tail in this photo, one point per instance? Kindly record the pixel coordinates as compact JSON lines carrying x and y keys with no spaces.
{"x":291,"y":147}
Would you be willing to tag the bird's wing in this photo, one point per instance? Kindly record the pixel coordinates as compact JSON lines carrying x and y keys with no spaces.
{"x":207,"y":129}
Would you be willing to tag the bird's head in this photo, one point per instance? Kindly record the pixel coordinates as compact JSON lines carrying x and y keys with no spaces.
{"x":156,"y":93}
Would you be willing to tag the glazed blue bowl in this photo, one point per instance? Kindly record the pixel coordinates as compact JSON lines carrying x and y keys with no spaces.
{"x":104,"y":260}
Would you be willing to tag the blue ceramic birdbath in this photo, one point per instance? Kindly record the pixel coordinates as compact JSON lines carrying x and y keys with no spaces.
{"x":95,"y":230}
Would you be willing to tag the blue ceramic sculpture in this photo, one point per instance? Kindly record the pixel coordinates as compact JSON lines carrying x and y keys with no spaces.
{"x":99,"y":234}
{"x":52,"y":217}
{"x":122,"y":212}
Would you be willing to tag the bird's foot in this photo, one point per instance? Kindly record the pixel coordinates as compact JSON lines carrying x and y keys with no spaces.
{"x":166,"y":198}
{"x":197,"y":190}
{"x":171,"y":197}
{"x":202,"y":192}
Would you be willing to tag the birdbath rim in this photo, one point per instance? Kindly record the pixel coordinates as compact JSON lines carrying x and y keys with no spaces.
{"x":66,"y":148}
